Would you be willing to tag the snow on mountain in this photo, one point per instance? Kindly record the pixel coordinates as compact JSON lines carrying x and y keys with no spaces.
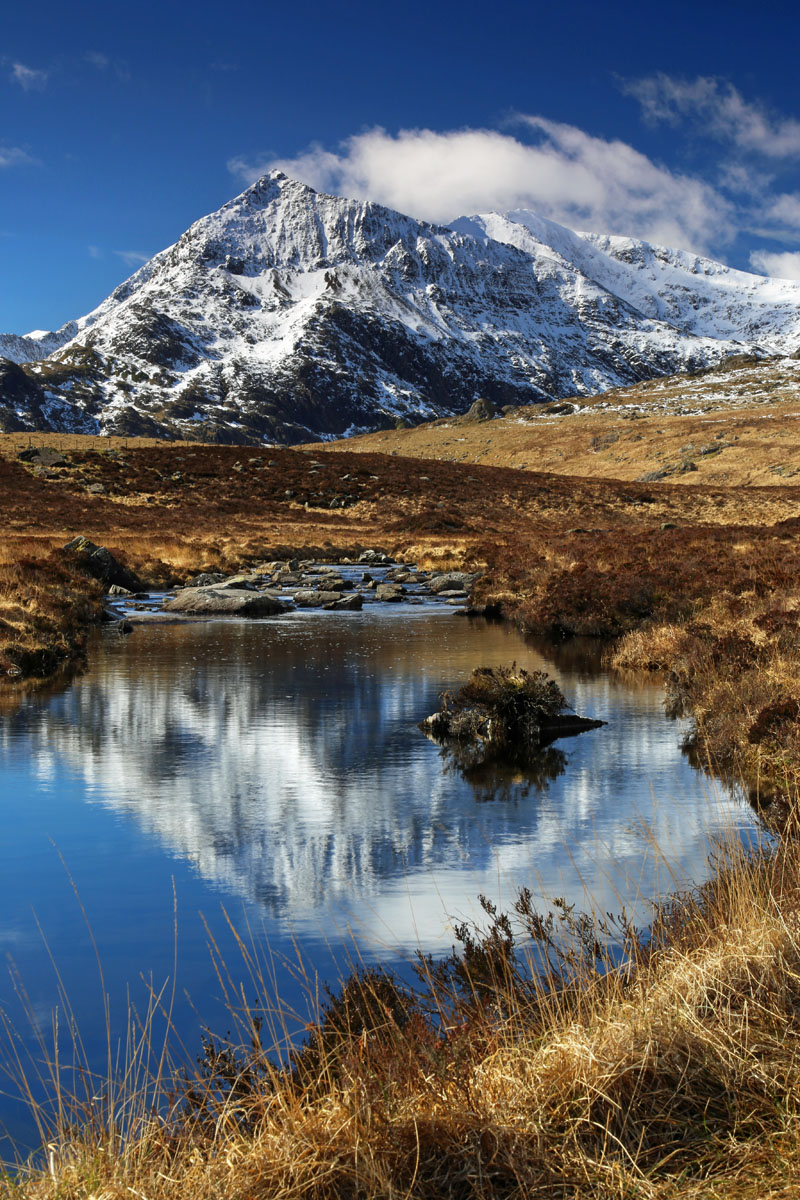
{"x":290,"y":314}
{"x":694,"y":295}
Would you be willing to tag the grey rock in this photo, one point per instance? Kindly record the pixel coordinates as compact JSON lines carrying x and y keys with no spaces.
{"x":233,"y":601}
{"x":481,"y":410}
{"x":43,"y":456}
{"x":392,"y":593}
{"x":206,"y":579}
{"x":461,"y":580}
{"x":248,"y":582}
{"x":375,"y":558}
{"x":314,"y":598}
{"x":351,"y":603}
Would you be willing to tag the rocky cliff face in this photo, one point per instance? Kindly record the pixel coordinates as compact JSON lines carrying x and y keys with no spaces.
{"x":290,"y":315}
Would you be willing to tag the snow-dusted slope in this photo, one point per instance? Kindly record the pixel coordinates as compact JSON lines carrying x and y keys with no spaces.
{"x":290,"y":314}
{"x":29,"y":347}
{"x":694,"y":295}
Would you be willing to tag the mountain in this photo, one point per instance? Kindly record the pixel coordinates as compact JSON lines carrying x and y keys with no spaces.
{"x":290,"y":314}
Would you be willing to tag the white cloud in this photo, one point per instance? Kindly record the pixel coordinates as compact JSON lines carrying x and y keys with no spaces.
{"x":94,"y":252}
{"x":786,"y":208}
{"x":780,"y":266}
{"x":28,"y":77}
{"x":132,"y":258}
{"x":563,"y":173}
{"x":12,"y":156}
{"x":720,"y":110}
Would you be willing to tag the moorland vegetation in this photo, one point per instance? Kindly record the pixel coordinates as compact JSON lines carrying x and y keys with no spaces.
{"x":672,"y":1075}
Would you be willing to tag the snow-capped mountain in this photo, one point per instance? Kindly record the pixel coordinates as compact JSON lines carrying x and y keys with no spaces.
{"x":289,"y":314}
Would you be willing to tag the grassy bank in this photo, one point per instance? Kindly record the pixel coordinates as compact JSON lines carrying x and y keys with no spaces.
{"x":676,"y":1076}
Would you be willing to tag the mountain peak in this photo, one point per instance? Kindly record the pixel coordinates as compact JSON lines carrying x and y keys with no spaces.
{"x":290,"y":314}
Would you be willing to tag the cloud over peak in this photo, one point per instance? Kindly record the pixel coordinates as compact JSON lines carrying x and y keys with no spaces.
{"x":560,"y":171}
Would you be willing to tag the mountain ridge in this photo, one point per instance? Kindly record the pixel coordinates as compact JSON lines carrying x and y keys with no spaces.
{"x":290,"y":315}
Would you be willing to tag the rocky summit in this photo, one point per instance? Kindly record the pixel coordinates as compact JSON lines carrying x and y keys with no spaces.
{"x":290,"y":315}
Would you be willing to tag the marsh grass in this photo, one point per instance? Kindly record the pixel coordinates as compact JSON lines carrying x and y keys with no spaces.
{"x":735,"y":667}
{"x":551,"y":1055}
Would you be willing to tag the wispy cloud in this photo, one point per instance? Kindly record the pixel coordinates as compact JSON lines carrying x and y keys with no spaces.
{"x":29,"y":78}
{"x":717,"y":109}
{"x":781,"y":266}
{"x":559,"y":170}
{"x":94,"y":252}
{"x":133,"y":258}
{"x":13,"y":156}
{"x":785,"y":211}
{"x":102,"y":62}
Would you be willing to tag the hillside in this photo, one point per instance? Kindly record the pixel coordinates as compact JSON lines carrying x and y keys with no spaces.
{"x":738,"y":424}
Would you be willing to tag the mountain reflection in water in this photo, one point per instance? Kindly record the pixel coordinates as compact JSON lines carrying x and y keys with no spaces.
{"x":281,"y":758}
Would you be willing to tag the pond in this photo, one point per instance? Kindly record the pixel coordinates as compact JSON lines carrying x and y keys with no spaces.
{"x":269,"y":775}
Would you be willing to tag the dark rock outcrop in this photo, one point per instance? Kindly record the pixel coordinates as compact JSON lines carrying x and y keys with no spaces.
{"x":101,"y":564}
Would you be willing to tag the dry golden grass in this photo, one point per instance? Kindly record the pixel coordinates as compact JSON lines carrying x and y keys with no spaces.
{"x":723,"y":429}
{"x":735,"y":666}
{"x":675,"y":1075}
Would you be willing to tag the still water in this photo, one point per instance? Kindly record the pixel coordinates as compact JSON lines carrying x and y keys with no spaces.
{"x":273,"y":770}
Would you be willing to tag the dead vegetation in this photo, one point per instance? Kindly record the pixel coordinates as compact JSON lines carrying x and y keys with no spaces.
{"x":536,"y":1061}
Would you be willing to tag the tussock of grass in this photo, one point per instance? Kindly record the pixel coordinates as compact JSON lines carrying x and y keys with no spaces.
{"x":499,"y":707}
{"x":675,"y":1074}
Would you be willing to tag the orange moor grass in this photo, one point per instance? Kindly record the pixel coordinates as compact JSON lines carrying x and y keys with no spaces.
{"x":674,"y":1075}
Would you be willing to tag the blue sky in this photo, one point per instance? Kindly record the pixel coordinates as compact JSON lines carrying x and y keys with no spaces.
{"x":120,"y":124}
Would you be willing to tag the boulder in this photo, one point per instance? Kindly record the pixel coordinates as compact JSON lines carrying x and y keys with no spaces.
{"x":206,"y":579}
{"x":232,"y":601}
{"x":351,"y":603}
{"x":390,"y":592}
{"x":43,"y":456}
{"x":375,"y":558}
{"x":313,"y":598}
{"x":332,"y":583}
{"x":101,"y":564}
{"x":452,"y":581}
{"x":248,"y":582}
{"x":481,"y":410}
